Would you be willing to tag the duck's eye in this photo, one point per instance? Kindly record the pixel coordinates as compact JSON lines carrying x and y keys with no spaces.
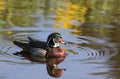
{"x":55,"y":37}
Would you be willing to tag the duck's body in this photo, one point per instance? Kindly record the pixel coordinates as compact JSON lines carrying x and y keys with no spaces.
{"x":50,"y":48}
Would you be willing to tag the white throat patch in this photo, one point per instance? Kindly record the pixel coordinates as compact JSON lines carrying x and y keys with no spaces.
{"x":56,"y":44}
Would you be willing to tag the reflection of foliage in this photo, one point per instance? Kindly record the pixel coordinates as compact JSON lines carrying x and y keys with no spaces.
{"x":2,"y":8}
{"x":17,"y":12}
{"x":102,"y":11}
{"x":71,"y":14}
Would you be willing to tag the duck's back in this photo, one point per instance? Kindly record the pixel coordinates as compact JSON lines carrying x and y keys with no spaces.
{"x":31,"y":44}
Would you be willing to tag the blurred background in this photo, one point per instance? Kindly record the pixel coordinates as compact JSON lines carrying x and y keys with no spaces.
{"x":91,"y":28}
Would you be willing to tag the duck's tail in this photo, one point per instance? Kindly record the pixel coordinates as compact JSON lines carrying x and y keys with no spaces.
{"x":24,"y":45}
{"x":20,"y":44}
{"x":30,"y":39}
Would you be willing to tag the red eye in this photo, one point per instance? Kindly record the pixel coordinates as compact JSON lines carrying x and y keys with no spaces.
{"x":55,"y":36}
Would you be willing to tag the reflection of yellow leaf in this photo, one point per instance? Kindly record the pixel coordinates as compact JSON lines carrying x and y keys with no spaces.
{"x":60,"y":10}
{"x":9,"y":32}
{"x":82,"y":20}
{"x":59,"y":18}
{"x":70,"y":12}
{"x":71,"y":16}
{"x":75,"y":7}
{"x":1,"y":1}
{"x":1,"y":16}
{"x":83,"y":10}
{"x":60,"y":14}
{"x":79,"y":31}
{"x":52,"y":9}
{"x":2,"y":7}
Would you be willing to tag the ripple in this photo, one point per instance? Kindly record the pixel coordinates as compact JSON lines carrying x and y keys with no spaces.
{"x":6,"y":55}
{"x":85,"y":48}
{"x":93,"y":50}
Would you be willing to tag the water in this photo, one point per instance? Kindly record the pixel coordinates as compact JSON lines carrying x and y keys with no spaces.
{"x":91,"y":33}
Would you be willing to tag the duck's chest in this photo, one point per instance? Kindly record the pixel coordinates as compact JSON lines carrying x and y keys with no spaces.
{"x":57,"y":52}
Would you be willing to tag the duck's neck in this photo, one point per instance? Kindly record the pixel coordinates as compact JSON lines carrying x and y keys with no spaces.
{"x":52,"y":44}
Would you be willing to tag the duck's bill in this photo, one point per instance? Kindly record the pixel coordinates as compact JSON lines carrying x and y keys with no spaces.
{"x":62,"y":42}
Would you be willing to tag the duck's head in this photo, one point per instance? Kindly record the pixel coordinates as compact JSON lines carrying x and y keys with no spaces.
{"x":54,"y":40}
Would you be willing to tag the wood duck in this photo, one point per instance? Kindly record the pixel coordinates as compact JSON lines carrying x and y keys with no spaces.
{"x":51,"y":48}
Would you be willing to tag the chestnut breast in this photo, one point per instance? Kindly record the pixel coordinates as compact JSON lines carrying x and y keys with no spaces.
{"x":57,"y":52}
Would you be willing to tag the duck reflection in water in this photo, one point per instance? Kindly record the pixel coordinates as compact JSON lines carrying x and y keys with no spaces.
{"x":52,"y":67}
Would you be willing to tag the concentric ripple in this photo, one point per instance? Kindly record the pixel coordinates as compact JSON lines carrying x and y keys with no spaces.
{"x":6,"y":55}
{"x":85,"y":48}
{"x":92,"y":49}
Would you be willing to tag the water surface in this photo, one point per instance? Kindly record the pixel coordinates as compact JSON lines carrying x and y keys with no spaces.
{"x":90,"y":28}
